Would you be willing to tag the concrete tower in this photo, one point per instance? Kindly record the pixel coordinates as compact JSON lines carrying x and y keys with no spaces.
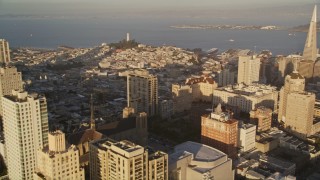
{"x":4,"y":52}
{"x":300,"y":111}
{"x":294,"y":82}
{"x":310,"y":48}
{"x":142,"y":92}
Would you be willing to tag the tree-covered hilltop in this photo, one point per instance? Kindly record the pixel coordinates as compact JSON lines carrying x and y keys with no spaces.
{"x":124,"y":44}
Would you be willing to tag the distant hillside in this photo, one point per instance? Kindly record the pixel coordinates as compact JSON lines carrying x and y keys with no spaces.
{"x":304,"y":28}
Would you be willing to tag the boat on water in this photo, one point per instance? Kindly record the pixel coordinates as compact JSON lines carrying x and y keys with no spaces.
{"x":231,"y":40}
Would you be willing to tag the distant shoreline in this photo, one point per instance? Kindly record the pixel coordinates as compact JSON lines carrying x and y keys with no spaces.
{"x":224,"y":27}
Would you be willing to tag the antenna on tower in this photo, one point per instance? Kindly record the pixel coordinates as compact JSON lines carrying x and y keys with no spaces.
{"x":92,"y":121}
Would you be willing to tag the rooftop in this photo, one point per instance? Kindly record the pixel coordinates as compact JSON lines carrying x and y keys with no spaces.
{"x":249,"y":90}
{"x":200,"y":152}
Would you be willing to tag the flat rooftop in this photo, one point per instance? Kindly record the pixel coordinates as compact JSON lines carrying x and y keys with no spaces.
{"x":127,"y":146}
{"x":249,"y":90}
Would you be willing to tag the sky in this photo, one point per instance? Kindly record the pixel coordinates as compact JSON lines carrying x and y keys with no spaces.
{"x":266,"y":10}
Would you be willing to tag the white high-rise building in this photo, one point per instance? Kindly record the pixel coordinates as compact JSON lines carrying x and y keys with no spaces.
{"x":25,"y":122}
{"x":10,"y":79}
{"x":4,"y":52}
{"x":142,"y":92}
{"x":57,"y":161}
{"x":248,"y":69}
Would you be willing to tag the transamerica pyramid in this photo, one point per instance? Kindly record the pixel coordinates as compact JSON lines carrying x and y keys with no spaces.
{"x":310,"y":48}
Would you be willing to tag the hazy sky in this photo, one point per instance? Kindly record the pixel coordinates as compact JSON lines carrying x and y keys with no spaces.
{"x":289,"y":10}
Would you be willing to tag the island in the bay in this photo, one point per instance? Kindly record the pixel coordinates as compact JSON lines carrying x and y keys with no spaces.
{"x":223,"y":27}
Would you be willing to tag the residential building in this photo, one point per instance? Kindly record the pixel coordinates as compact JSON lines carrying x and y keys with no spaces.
{"x":226,"y":76}
{"x":110,"y":159}
{"x":158,"y":166}
{"x":300,"y":111}
{"x":166,"y":109}
{"x":182,"y":97}
{"x":262,"y":118}
{"x":58,"y":161}
{"x":202,"y":87}
{"x":191,"y":160}
{"x":25,"y":122}
{"x":4,"y":52}
{"x":247,"y":137}
{"x":10,"y":79}
{"x":247,"y":97}
{"x":294,"y":82}
{"x":220,"y":131}
{"x":142,"y":92}
{"x":248,"y":69}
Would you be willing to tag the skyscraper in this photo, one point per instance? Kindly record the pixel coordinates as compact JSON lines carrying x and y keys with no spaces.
{"x":4,"y":52}
{"x":142,"y":92}
{"x":310,"y":48}
{"x":25,"y":122}
{"x":57,"y":161}
{"x":294,"y":82}
{"x":220,"y":131}
{"x":248,"y":69}
{"x":306,"y":67}
{"x":10,"y":79}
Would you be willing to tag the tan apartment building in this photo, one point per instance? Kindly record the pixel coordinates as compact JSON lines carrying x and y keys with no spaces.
{"x":262,"y":118}
{"x":294,"y":82}
{"x":182,"y":97}
{"x":10,"y":79}
{"x":158,"y":166}
{"x":202,"y":87}
{"x":142,"y":92}
{"x":300,"y":111}
{"x":248,"y":69}
{"x":58,"y":161}
{"x":122,"y":160}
